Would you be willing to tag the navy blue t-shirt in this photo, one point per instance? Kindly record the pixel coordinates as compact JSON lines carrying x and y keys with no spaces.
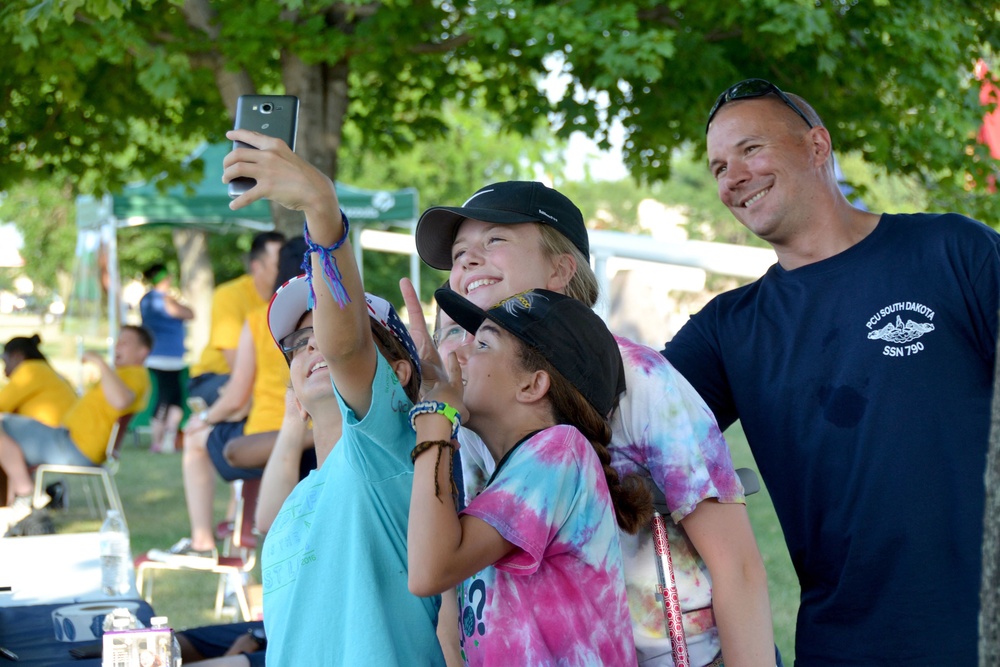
{"x":863,"y":383}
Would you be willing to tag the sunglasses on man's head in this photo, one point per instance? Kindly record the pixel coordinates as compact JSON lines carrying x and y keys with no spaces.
{"x":751,"y":88}
{"x":295,"y":341}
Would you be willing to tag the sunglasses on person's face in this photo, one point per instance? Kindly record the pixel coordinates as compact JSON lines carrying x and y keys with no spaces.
{"x":294,"y":342}
{"x":751,"y":88}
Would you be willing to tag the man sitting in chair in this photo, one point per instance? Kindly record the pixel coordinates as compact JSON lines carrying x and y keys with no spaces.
{"x":82,"y":436}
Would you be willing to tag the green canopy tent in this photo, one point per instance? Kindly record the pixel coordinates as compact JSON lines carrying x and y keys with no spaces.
{"x":206,"y":203}
{"x":203,"y":205}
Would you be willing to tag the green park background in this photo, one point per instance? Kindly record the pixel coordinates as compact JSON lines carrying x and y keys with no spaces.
{"x":444,"y":97}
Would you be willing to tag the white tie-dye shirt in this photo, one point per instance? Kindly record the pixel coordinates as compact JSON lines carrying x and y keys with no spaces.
{"x":559,"y":597}
{"x":663,"y":431}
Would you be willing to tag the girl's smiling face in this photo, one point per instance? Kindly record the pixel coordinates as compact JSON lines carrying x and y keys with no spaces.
{"x":493,"y":261}
{"x":307,"y":369}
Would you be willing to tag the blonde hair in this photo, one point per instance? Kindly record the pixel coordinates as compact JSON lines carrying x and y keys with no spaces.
{"x":582,"y":285}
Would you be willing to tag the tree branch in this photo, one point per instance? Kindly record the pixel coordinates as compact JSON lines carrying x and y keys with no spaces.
{"x":201,"y":16}
{"x":442,"y":47}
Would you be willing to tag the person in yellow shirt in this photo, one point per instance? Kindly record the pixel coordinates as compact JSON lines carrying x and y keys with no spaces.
{"x":232,"y":301}
{"x":34,"y":388}
{"x":259,"y":380}
{"x":82,"y":435}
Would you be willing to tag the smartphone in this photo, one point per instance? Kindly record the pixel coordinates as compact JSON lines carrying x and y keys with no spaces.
{"x":274,"y":115}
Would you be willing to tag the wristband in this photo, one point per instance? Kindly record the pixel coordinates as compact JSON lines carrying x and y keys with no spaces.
{"x":436,"y":407}
{"x":331,"y":272}
{"x":203,"y":416}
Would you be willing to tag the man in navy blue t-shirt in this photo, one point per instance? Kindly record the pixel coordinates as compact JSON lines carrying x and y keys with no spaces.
{"x":861,"y":368}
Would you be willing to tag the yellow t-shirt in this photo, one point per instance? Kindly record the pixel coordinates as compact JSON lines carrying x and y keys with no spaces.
{"x":231,"y":304}
{"x":36,"y":390}
{"x":270,"y":381}
{"x":90,"y":421}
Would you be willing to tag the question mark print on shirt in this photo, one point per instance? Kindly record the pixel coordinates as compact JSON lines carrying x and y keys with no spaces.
{"x":469,"y":617}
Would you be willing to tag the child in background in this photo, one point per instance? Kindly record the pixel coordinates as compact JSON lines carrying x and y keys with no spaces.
{"x":539,"y":544}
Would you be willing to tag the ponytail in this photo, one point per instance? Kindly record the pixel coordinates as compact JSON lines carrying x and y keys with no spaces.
{"x":26,"y":347}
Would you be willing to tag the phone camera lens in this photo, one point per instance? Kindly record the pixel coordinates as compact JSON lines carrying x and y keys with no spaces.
{"x":267,"y":107}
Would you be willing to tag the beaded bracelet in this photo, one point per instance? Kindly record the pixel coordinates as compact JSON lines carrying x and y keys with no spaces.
{"x":440,"y":444}
{"x":436,"y":407}
{"x":331,"y":272}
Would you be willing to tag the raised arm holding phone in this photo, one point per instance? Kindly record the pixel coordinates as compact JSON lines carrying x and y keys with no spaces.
{"x":347,"y":581}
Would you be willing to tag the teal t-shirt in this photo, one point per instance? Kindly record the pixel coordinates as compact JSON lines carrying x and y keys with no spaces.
{"x":334,"y":562}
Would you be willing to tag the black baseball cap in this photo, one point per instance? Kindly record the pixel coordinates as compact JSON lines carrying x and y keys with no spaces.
{"x":506,"y":203}
{"x":564,"y":330}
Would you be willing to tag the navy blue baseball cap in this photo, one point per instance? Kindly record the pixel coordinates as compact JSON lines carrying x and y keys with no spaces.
{"x":505,"y":203}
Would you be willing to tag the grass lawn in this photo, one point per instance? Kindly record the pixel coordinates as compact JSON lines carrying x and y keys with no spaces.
{"x":152,"y":493}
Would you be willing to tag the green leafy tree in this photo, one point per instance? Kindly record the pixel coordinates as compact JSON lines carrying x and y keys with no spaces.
{"x":445,"y":171}
{"x":44,"y":216}
{"x":476,"y":149}
{"x":98,"y":91}
{"x":140,"y":247}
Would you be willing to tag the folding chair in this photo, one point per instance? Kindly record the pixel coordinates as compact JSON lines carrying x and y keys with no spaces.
{"x":99,"y":475}
{"x":238,"y":557}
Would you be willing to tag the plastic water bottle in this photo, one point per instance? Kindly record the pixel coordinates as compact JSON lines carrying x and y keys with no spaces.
{"x":115,"y":559}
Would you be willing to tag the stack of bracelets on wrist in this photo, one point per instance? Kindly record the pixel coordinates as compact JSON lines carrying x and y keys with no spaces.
{"x":436,"y":407}
{"x":452,"y":415}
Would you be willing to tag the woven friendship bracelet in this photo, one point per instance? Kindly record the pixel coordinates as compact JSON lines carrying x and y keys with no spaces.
{"x":331,"y":272}
{"x":436,"y":407}
{"x":440,"y":444}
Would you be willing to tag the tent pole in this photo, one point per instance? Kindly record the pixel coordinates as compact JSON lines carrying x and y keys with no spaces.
{"x":356,"y":242}
{"x":109,"y":230}
{"x":415,"y":272}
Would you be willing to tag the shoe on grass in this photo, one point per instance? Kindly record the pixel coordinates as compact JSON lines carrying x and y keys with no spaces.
{"x":183,"y":554}
{"x":57,"y":492}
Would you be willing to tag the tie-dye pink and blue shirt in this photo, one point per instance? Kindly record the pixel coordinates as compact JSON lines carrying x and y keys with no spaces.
{"x":559,"y":596}
{"x":663,"y":431}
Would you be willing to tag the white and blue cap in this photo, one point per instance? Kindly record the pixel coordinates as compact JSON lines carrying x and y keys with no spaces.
{"x":292,"y":301}
{"x":288,"y":305}
{"x":382,"y":312}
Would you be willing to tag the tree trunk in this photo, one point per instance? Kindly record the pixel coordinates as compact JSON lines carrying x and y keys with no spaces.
{"x":201,"y":16}
{"x":322,"y":93}
{"x":989,"y":595}
{"x":197,"y":284}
